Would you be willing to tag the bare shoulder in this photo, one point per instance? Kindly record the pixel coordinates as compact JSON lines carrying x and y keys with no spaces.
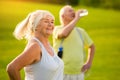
{"x":30,"y":55}
{"x":33,"y":45}
{"x":33,"y":50}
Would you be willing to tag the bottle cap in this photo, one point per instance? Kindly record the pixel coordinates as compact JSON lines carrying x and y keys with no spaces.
{"x":60,"y":48}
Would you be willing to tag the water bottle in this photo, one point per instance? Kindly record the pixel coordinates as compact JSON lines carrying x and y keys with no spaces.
{"x":60,"y":51}
{"x":84,"y":13}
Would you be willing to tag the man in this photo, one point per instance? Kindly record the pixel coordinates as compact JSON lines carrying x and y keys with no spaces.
{"x":73,"y":40}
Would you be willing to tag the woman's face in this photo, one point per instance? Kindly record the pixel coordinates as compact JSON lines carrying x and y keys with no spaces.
{"x":46,"y":25}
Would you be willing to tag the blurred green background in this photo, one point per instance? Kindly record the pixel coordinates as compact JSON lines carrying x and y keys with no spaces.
{"x":102,"y":24}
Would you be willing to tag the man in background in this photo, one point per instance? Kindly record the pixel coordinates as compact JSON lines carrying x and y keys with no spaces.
{"x":73,"y":40}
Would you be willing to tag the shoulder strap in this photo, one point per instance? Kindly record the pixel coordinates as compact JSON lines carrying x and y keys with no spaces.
{"x":61,"y":43}
{"x":38,"y":41}
{"x":82,"y":41}
{"x":80,"y":36}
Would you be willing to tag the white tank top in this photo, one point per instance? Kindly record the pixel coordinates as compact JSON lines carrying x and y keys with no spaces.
{"x":48,"y":68}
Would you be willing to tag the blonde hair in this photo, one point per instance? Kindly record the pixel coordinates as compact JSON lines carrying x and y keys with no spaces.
{"x":26,"y":28}
{"x":61,"y":13}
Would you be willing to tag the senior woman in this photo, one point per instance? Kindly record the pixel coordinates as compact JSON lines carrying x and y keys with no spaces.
{"x":38,"y":58}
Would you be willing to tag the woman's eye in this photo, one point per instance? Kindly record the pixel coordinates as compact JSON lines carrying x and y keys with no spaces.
{"x":52,"y":22}
{"x":46,"y":21}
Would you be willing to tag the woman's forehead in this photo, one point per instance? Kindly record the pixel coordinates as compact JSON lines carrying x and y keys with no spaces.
{"x":48,"y":17}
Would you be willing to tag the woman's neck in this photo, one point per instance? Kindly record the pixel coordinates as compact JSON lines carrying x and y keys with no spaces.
{"x":42,"y":39}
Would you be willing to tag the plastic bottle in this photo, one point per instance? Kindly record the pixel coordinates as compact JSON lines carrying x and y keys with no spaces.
{"x":60,"y":52}
{"x":84,"y":13}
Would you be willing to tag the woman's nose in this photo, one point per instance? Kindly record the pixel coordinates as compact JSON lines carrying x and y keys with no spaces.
{"x":50,"y":24}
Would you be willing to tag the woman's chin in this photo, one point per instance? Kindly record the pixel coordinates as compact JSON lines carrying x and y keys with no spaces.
{"x":49,"y":33}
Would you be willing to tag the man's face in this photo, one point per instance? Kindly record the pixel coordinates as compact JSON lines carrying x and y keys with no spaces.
{"x":69,"y":13}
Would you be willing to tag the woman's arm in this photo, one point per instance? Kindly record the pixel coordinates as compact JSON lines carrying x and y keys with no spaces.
{"x":28,"y":56}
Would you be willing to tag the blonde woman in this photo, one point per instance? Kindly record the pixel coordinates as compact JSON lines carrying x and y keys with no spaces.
{"x":38,"y":58}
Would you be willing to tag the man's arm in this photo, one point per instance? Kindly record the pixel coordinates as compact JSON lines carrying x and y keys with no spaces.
{"x":88,"y":63}
{"x":68,"y":28}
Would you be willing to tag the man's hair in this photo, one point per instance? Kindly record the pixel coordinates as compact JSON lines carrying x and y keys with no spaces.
{"x":61,"y":13}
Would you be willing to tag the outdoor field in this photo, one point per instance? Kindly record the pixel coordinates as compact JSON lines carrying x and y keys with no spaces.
{"x":102,"y":25}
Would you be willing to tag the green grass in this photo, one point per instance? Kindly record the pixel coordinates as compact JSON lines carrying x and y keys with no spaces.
{"x":102,"y":25}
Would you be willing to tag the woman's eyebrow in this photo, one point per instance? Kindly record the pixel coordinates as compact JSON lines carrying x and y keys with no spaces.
{"x":48,"y":19}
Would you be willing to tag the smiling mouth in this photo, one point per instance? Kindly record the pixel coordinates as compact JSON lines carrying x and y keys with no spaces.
{"x":49,"y":31}
{"x":49,"y":28}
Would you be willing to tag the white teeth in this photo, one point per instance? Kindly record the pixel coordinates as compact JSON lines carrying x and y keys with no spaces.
{"x":49,"y":31}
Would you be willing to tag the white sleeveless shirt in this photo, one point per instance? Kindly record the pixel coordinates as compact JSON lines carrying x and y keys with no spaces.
{"x":48,"y":68}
